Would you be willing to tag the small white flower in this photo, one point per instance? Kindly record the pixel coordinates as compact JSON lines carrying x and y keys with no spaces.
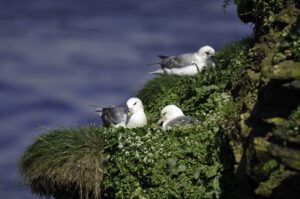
{"x":137,"y":154}
{"x":119,"y":137}
{"x":145,"y":159}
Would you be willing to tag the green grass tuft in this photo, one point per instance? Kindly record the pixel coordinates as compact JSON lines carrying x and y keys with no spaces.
{"x":65,"y":160}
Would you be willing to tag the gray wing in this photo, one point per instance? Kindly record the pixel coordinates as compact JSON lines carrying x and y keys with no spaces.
{"x":113,"y":115}
{"x":181,"y":120}
{"x":177,"y":61}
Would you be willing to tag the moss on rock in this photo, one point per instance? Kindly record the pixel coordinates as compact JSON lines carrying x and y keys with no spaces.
{"x":270,"y":153}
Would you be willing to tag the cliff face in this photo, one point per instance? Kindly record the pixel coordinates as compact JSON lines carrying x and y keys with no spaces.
{"x":269,"y":139}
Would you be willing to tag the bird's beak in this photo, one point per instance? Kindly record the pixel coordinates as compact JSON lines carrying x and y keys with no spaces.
{"x":160,"y":121}
{"x":129,"y":112}
{"x":213,"y":58}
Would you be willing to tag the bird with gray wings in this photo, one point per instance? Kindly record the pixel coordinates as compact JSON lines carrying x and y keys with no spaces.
{"x":186,"y":64}
{"x":171,"y":116}
{"x":131,"y":115}
{"x":113,"y":116}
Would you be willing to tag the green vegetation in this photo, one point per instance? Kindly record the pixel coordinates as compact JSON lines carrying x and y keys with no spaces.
{"x":65,"y":162}
{"x":293,"y":125}
{"x":151,"y":163}
{"x":258,"y":11}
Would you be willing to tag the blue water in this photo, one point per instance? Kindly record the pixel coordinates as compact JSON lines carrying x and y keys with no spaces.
{"x":56,"y":57}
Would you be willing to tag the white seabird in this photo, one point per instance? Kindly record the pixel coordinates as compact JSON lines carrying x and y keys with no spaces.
{"x":171,"y":115}
{"x":186,"y":64}
{"x":131,"y":115}
{"x":136,"y":115}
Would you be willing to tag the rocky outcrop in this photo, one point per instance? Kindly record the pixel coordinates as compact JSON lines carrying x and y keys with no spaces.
{"x":269,"y":164}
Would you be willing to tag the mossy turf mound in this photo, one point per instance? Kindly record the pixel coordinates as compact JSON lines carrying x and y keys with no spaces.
{"x":65,"y":163}
{"x":151,"y":163}
{"x":146,"y":162}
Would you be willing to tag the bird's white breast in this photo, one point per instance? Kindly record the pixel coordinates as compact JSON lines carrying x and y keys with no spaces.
{"x":138,"y":119}
{"x":185,"y":71}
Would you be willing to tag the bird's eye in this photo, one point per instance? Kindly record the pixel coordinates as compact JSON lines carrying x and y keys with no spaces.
{"x":134,"y":104}
{"x":164,"y":113}
{"x":207,"y":53}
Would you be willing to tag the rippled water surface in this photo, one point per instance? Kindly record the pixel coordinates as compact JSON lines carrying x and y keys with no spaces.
{"x":58,"y":56}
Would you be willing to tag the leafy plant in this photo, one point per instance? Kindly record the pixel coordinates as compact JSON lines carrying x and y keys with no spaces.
{"x":149,"y":163}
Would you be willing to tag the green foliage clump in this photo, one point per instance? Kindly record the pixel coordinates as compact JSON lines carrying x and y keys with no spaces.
{"x":260,"y":12}
{"x":151,"y":163}
{"x":293,"y":127}
{"x":289,"y":48}
{"x":65,"y":162}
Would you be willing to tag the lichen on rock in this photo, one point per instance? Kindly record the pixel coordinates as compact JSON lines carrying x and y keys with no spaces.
{"x":271,"y":154}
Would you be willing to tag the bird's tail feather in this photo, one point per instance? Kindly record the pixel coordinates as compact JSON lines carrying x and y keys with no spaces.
{"x":160,"y":56}
{"x":95,"y":105}
{"x":163,"y":56}
{"x":158,"y":72}
{"x":99,"y":108}
{"x":152,"y":64}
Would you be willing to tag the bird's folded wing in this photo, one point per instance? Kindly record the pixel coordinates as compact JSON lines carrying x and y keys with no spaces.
{"x":113,"y":115}
{"x":181,"y":120}
{"x":172,"y":62}
{"x":178,"y":61}
{"x":118,"y":115}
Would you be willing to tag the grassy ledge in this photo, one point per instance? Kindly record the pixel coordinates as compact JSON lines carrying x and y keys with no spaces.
{"x":94,"y":162}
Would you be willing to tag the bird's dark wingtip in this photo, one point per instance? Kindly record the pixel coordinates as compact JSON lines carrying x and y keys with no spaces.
{"x":163,"y":56}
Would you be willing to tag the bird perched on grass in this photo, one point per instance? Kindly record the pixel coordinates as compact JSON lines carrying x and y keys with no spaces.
{"x":136,"y":116}
{"x":131,"y":115}
{"x":171,"y":115}
{"x":186,"y":64}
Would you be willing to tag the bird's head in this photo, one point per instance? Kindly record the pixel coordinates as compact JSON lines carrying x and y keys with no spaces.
{"x":207,"y":52}
{"x":134,"y":105}
{"x":170,"y":112}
